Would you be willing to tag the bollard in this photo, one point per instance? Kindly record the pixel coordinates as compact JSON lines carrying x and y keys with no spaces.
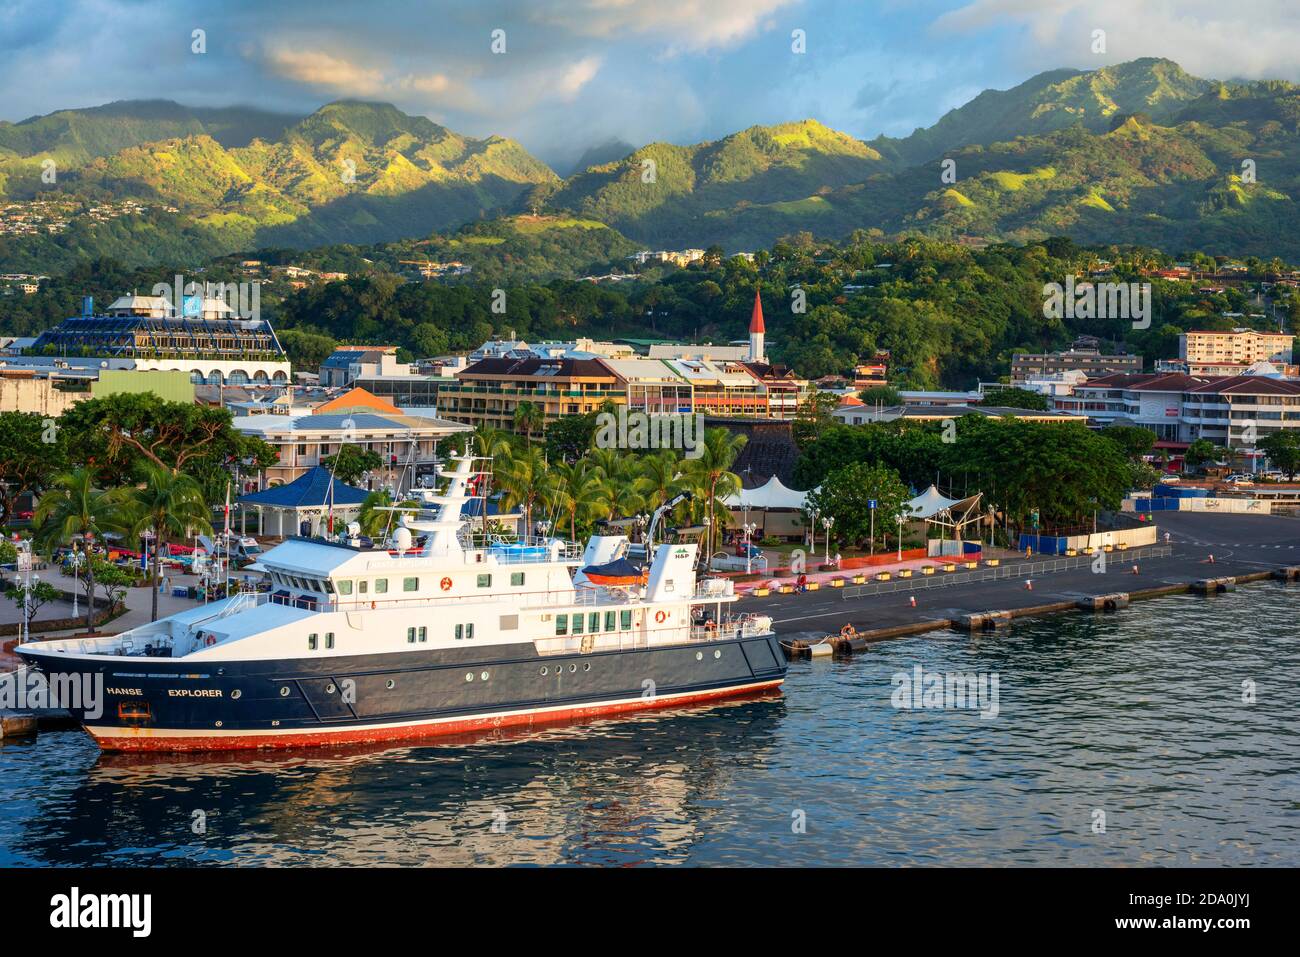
{"x":1029,"y":584}
{"x":1211,"y":558}
{"x":1135,"y":569}
{"x":912,"y":599}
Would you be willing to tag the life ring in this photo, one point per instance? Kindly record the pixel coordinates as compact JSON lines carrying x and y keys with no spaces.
{"x":446,"y":584}
{"x":661,"y":616}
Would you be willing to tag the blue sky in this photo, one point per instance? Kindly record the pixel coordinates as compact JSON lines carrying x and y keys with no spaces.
{"x":577,"y":73}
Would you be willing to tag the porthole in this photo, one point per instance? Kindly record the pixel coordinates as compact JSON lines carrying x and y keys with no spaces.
{"x":469,"y":676}
{"x":717,"y":653}
{"x":484,"y":676}
{"x":586,"y":666}
{"x":236,"y":694}
{"x":329,"y":688}
{"x":699,"y":656}
{"x":284,"y":692}
{"x":218,"y":724}
{"x":390,"y":684}
{"x":572,"y":668}
{"x":543,"y":671}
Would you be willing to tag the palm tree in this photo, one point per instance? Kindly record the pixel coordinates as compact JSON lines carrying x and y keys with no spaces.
{"x":168,"y":505}
{"x":575,"y":491}
{"x":711,"y":474}
{"x":529,"y":418}
{"x":661,"y":471}
{"x":623,"y":485}
{"x":73,"y":508}
{"x":374,"y":516}
{"x":523,"y":479}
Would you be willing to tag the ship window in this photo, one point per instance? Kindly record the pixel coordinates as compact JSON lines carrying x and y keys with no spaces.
{"x":363,"y":586}
{"x":424,"y":633}
{"x":381,"y":586}
{"x":561,"y":624}
{"x":593,"y":622}
{"x":460,"y":632}
{"x":311,"y":642}
{"x":609,"y":621}
{"x":329,"y":587}
{"x":577,"y":623}
{"x":516,"y":579}
{"x":469,"y":630}
{"x":410,"y":584}
{"x":625,"y":619}
{"x":345,"y":587}
{"x":329,"y":639}
{"x":410,"y":636}
{"x":484,"y":581}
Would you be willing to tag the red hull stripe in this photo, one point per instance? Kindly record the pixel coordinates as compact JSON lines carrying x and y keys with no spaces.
{"x":162,"y":739}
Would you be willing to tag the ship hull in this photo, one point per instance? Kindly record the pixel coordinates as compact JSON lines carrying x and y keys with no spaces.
{"x":159,"y":704}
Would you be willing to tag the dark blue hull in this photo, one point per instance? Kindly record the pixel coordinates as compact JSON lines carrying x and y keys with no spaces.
{"x":166,"y":704}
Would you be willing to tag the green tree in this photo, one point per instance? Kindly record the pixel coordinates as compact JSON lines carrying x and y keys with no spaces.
{"x":570,"y":437}
{"x":71,"y":508}
{"x":523,"y":479}
{"x":1133,"y":439}
{"x":1283,"y":450}
{"x":350,"y":462}
{"x":117,"y":435}
{"x":846,"y":494}
{"x":1200,"y":453}
{"x":1011,"y":397}
{"x":575,"y":494}
{"x":42,"y":593}
{"x":710,"y":473}
{"x":529,"y":417}
{"x":31,"y":452}
{"x":883,"y":395}
{"x":170,"y":507}
{"x":374,"y":517}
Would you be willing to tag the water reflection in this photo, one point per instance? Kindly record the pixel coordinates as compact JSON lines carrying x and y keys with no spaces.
{"x":619,"y":791}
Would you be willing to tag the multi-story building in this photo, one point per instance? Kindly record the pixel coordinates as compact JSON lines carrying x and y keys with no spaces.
{"x":1091,"y":362}
{"x":1231,"y":411}
{"x":407,"y":444}
{"x":489,"y":391}
{"x":346,"y":364}
{"x":205,"y":338}
{"x":1239,"y":347}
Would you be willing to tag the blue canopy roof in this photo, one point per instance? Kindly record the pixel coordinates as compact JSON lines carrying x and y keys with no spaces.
{"x":309,"y":490}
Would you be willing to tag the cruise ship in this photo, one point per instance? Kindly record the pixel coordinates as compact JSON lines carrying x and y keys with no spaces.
{"x":443,"y":631}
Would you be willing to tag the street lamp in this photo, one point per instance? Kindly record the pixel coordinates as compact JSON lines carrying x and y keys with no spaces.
{"x":543,"y":527}
{"x":812,"y":530}
{"x":749,"y":537}
{"x":900,"y":536}
{"x":827,"y":523}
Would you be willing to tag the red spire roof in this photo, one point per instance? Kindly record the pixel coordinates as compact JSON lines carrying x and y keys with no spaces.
{"x":756,"y":317}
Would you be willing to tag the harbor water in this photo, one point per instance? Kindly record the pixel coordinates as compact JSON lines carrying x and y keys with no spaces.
{"x":1166,"y":734}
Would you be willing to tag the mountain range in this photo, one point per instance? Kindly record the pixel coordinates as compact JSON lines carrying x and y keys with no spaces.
{"x":1139,"y":152}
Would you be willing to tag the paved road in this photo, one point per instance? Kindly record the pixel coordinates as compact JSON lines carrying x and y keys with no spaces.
{"x":1241,"y":544}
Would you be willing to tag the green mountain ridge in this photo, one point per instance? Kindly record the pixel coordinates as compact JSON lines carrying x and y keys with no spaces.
{"x":1137,"y":152}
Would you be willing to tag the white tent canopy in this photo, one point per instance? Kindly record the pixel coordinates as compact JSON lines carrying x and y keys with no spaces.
{"x":772,"y":495}
{"x":931,"y":502}
{"x":935,"y":507}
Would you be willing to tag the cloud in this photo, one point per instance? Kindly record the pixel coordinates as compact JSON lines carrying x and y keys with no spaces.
{"x":577,"y":76}
{"x":1249,"y":39}
{"x":321,"y":69}
{"x":693,"y":26}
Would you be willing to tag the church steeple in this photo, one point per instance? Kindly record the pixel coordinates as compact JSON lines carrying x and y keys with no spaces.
{"x":756,"y":330}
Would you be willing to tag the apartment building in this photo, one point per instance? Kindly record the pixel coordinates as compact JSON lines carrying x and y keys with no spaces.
{"x":1091,"y":362}
{"x":1232,"y":411}
{"x":1240,"y":346}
